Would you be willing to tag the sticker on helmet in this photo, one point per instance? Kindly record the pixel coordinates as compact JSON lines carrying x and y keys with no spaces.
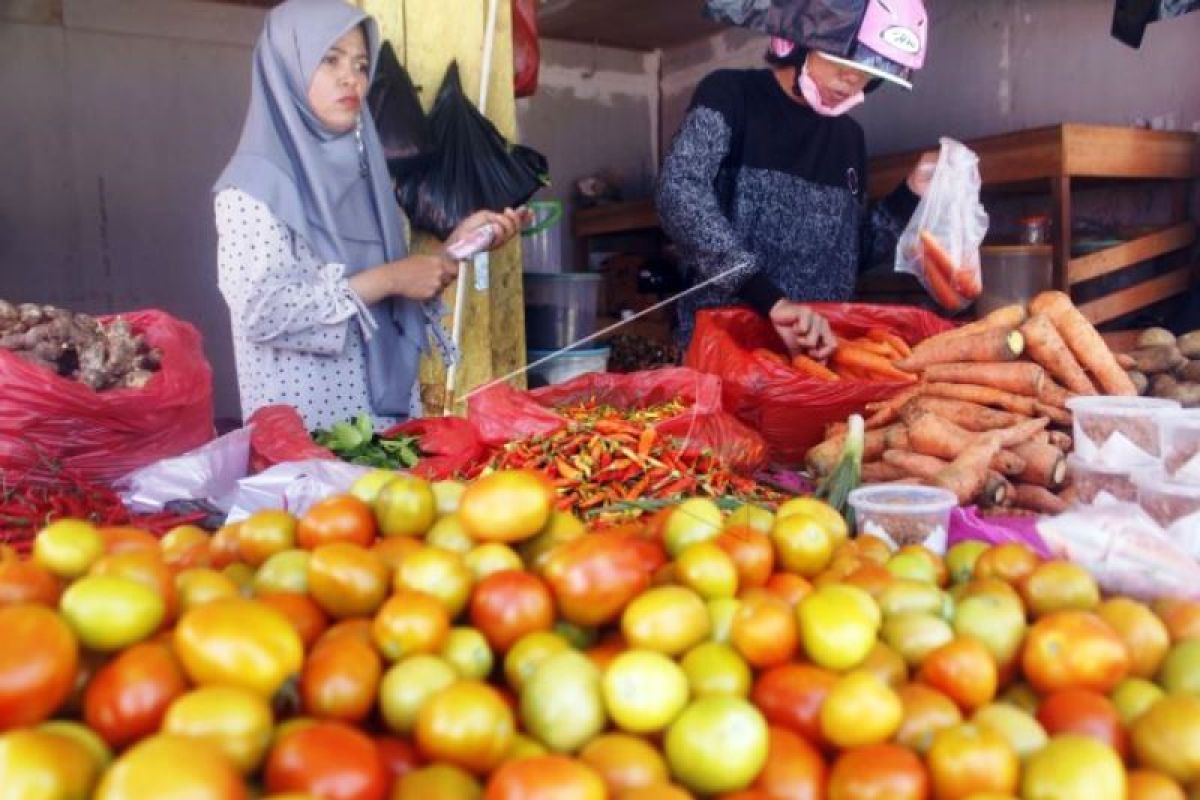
{"x":903,"y":39}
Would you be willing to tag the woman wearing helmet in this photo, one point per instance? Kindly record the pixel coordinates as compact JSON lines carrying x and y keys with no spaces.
{"x":767,"y":171}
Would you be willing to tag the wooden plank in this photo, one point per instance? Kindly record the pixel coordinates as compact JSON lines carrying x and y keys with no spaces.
{"x":1147,"y":293}
{"x":1111,"y":152}
{"x":635,"y":215}
{"x":1060,"y":229}
{"x":1130,"y":253}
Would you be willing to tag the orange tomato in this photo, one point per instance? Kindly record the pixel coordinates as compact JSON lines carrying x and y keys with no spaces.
{"x":593,"y":578}
{"x":127,"y":539}
{"x":795,"y":769}
{"x":469,"y":725}
{"x":871,"y":578}
{"x":172,"y":766}
{"x":1009,"y":562}
{"x":887,"y":665}
{"x":330,"y":760}
{"x":265,"y":533}
{"x":876,"y":772}
{"x":340,"y":680}
{"x":507,"y":605}
{"x":788,"y":587}
{"x":545,"y":778}
{"x":507,"y":506}
{"x":751,"y":552}
{"x":764,"y":632}
{"x":185,"y":546}
{"x":1182,"y":617}
{"x":347,"y":580}
{"x":791,"y":696}
{"x":127,"y":699}
{"x":408,"y":623}
{"x":968,"y":760}
{"x":223,"y":546}
{"x":926,"y":712}
{"x":1167,"y":738}
{"x":1086,"y":713}
{"x":1059,"y":586}
{"x":1144,"y":634}
{"x":301,"y":611}
{"x":624,"y":761}
{"x":392,"y":550}
{"x":964,"y":671}
{"x":38,"y":664}
{"x":1074,"y":649}
{"x":341,"y":518}
{"x":1146,"y":784}
{"x":26,"y":582}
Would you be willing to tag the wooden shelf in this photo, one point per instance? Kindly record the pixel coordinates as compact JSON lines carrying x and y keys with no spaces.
{"x":1146,"y":293}
{"x":1121,"y":256}
{"x":636,"y":215}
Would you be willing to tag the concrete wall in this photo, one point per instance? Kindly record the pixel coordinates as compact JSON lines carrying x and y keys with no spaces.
{"x":997,"y":66}
{"x":119,"y":114}
{"x":596,"y":109}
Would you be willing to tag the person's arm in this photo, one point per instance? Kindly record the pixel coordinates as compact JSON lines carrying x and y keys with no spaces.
{"x":886,"y":219}
{"x":687,"y":199}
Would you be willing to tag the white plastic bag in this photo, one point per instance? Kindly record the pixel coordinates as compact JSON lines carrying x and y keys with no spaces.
{"x":209,"y":473}
{"x":940,"y":246}
{"x":294,"y":486}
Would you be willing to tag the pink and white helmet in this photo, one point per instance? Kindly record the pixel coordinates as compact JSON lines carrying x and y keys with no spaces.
{"x":891,"y":41}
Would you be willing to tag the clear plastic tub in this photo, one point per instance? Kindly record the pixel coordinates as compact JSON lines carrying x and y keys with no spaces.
{"x":1090,"y":479}
{"x":1165,"y":500}
{"x":1013,"y":274}
{"x":904,"y":514}
{"x":1118,"y":430}
{"x":1179,"y":440}
{"x":567,"y":365}
{"x":560,"y":309}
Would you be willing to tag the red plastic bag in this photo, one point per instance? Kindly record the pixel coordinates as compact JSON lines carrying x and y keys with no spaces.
{"x":526,"y":52}
{"x":450,"y":445}
{"x":502,"y":414}
{"x":279,"y":435}
{"x":789,"y":409}
{"x":49,"y":422}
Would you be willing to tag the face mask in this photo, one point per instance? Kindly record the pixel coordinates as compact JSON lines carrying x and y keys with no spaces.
{"x":808,"y":88}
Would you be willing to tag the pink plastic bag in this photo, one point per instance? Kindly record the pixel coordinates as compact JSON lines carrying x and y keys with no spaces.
{"x":503,"y":414}
{"x":49,"y":422}
{"x":279,"y":436}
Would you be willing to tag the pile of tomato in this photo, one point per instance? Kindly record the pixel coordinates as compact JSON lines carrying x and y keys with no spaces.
{"x":417,"y":641}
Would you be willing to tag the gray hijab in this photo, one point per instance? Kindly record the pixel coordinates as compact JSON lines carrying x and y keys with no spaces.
{"x":332,"y":190}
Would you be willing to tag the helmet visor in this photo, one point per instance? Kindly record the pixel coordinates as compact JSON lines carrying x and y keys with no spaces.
{"x":867,"y":60}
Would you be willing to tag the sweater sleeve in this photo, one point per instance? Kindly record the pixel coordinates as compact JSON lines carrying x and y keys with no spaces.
{"x":275,"y":298}
{"x":688,"y":204}
{"x":883,"y":223}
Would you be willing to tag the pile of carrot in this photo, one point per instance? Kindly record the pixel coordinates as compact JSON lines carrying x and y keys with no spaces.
{"x":871,"y":357}
{"x":986,"y":416}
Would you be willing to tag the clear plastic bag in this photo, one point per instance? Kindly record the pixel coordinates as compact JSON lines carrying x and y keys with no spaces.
{"x":209,"y":473}
{"x":294,"y":486}
{"x":940,"y":246}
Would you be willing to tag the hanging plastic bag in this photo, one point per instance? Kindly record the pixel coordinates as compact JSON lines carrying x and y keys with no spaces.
{"x":789,"y":409}
{"x":940,"y":246}
{"x":399,"y":118}
{"x":526,"y":51}
{"x":49,"y":422}
{"x":449,"y":446}
{"x":502,"y":414}
{"x":474,"y":167}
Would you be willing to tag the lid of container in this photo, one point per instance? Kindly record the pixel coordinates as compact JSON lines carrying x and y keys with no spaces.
{"x":590,"y":352}
{"x":902,"y":499}
{"x":563,"y":277}
{"x":1017,"y":249}
{"x":1074,"y":463}
{"x":1121,"y":406}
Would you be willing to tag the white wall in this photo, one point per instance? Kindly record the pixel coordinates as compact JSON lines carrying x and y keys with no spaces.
{"x":118,"y":115}
{"x":596,"y":109}
{"x":1000,"y":65}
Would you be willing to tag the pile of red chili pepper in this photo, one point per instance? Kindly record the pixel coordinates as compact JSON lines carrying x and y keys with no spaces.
{"x":27,"y":507}
{"x":607,"y":458}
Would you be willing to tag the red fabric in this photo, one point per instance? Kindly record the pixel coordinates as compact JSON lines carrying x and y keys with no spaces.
{"x":502,"y":414}
{"x":47,"y":420}
{"x":526,"y":52}
{"x":450,"y":445}
{"x":789,"y":409}
{"x":279,"y":435}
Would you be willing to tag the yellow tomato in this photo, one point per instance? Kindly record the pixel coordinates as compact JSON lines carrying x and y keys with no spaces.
{"x":110,"y":613}
{"x":753,"y":517}
{"x":283,"y":572}
{"x":448,"y":494}
{"x":169,"y":767}
{"x":367,"y":487}
{"x":238,"y":643}
{"x":265,"y":533}
{"x":68,"y":547}
{"x":692,"y":521}
{"x":201,"y":585}
{"x":486,"y":559}
{"x":468,"y":651}
{"x":1022,"y":731}
{"x":718,"y":744}
{"x":438,"y":573}
{"x":860,"y":710}
{"x":916,"y":635}
{"x":235,"y":721}
{"x":714,"y":668}
{"x":448,"y":533}
{"x":909,"y":596}
{"x":707,"y":570}
{"x":406,"y":687}
{"x":644,"y":691}
{"x":405,"y":506}
{"x":39,"y":763}
{"x":1074,"y":766}
{"x":529,"y":651}
{"x":1133,"y":697}
{"x":803,"y":546}
{"x":669,"y":619}
{"x":82,"y":734}
{"x":185,"y":546}
{"x":721,"y":613}
{"x":508,"y":506}
{"x":838,"y":625}
{"x":833,"y":522}
{"x":961,"y":558}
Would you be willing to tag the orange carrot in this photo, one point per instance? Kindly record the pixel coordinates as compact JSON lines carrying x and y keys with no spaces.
{"x":941,"y":290}
{"x":1047,"y":348}
{"x":934,"y":257}
{"x":1002,"y":344}
{"x":822,"y":458}
{"x":984,"y":396}
{"x":1044,"y":464}
{"x":1018,"y":377}
{"x":968,"y":281}
{"x":968,"y":416}
{"x":879,"y":472}
{"x":931,"y":435}
{"x":1057,"y":415}
{"x":872,"y":346}
{"x":887,"y":337}
{"x":888,"y":412}
{"x":968,"y":474}
{"x":1039,"y":499}
{"x":1053,"y":394}
{"x":1006,"y":318}
{"x":1084,"y":341}
{"x":917,"y":465}
{"x":814,"y":368}
{"x":851,"y":356}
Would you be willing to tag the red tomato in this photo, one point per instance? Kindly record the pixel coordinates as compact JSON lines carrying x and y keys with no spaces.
{"x":507,"y":605}
{"x":876,"y":772}
{"x":301,"y":611}
{"x":1086,"y":713}
{"x":398,"y":755}
{"x":341,"y":680}
{"x":342,"y":518}
{"x":129,"y":696}
{"x":545,"y":778}
{"x":791,"y":696}
{"x":330,"y":760}
{"x":38,"y":662}
{"x":795,"y":769}
{"x":593,"y":578}
{"x":1074,"y":649}
{"x":26,"y":582}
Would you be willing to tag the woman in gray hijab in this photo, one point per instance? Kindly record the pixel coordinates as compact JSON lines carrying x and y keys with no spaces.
{"x":330,"y":313}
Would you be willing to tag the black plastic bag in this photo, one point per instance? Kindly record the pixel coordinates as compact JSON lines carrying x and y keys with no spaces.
{"x":473,"y":167}
{"x":399,"y":118}
{"x":830,"y":26}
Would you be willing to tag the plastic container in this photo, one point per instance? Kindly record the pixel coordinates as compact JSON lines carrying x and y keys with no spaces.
{"x":560,"y":309}
{"x":904,"y":515}
{"x":1090,"y":479}
{"x":1035,"y":229}
{"x":1136,"y":419}
{"x":541,"y":240}
{"x":1179,"y":441}
{"x":1165,"y":500}
{"x":1013,"y":274}
{"x":566,"y":365}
